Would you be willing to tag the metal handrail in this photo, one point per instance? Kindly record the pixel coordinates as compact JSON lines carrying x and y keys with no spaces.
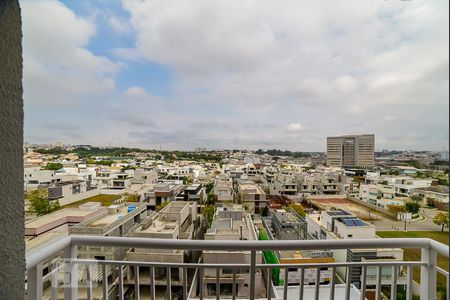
{"x":258,"y":266}
{"x":52,"y":248}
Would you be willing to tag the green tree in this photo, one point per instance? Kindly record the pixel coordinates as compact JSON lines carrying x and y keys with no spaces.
{"x":39,"y":204}
{"x":441,"y":219}
{"x":298,"y":209}
{"x":53,"y":166}
{"x":91,"y":161}
{"x":105,"y":162}
{"x":162,"y":205}
{"x":442,"y":181}
{"x":211,"y":199}
{"x":412,"y":207}
{"x":130,"y":197}
{"x":208,"y":214}
{"x":417,"y":198}
{"x":396,"y":209}
{"x":209,"y":187}
{"x":394,"y":172}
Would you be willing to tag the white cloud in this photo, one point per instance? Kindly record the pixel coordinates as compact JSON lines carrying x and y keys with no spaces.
{"x":135,"y":91}
{"x":345,"y":84}
{"x":339,"y":67}
{"x":294,"y":127}
{"x":58,"y":67}
{"x":389,"y":118}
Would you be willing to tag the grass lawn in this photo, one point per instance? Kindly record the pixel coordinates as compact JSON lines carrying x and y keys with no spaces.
{"x":106,"y":200}
{"x":414,"y":254}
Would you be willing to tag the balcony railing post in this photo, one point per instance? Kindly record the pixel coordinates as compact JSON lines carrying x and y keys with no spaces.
{"x":428,"y":274}
{"x":252,"y":274}
{"x":70,"y":274}
{"x":34,"y":282}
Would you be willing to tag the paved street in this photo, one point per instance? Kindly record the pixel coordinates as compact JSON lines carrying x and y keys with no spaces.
{"x":421,"y":225}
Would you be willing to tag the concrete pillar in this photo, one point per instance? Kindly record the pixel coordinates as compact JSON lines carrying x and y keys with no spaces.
{"x":12,"y":245}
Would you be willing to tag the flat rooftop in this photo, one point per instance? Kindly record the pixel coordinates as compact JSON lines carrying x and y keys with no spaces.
{"x":65,"y":215}
{"x":251,"y":188}
{"x":161,"y":226}
{"x":31,"y":243}
{"x":193,"y":187}
{"x":230,"y":225}
{"x":108,"y":219}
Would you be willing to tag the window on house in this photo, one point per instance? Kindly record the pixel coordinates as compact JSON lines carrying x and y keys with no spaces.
{"x":211,"y":287}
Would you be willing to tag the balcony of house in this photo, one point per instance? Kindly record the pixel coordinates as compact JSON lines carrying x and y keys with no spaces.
{"x":288,"y":189}
{"x":76,"y":278}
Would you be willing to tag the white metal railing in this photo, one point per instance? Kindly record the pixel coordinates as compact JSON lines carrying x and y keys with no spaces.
{"x":66,"y":247}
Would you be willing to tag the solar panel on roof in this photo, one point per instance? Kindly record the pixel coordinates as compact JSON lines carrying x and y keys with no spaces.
{"x":353,"y":222}
{"x":348,"y":222}
{"x":359,"y":223}
{"x":338,"y":213}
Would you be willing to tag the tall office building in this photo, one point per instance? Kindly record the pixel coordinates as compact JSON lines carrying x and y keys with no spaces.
{"x":353,"y":151}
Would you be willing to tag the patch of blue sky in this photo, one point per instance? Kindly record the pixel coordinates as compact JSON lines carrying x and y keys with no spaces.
{"x":156,"y":79}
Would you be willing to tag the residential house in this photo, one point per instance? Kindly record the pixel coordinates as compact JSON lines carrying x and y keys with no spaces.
{"x":178,"y":220}
{"x":231,"y":223}
{"x":340,"y":224}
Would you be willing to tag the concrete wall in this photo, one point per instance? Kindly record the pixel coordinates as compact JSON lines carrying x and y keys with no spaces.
{"x":374,"y":207}
{"x":12,"y":249}
{"x":68,"y":198}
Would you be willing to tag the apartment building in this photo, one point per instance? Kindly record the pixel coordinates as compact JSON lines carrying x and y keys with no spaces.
{"x":252,"y":196}
{"x":231,"y":223}
{"x":340,"y":224}
{"x":351,"y":151}
{"x":119,"y":220}
{"x":178,"y":220}
{"x":288,"y":225}
{"x":223,"y":188}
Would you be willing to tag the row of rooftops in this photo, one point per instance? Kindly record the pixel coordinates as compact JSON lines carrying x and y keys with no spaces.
{"x":93,"y":219}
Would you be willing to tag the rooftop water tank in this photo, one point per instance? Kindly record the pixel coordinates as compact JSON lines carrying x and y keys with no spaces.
{"x":131,"y":207}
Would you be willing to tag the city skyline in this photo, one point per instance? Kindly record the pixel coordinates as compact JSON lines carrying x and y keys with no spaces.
{"x":238,"y":75}
{"x":55,"y":144}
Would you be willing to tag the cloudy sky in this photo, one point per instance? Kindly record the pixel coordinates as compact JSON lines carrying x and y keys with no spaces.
{"x":241,"y":74}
